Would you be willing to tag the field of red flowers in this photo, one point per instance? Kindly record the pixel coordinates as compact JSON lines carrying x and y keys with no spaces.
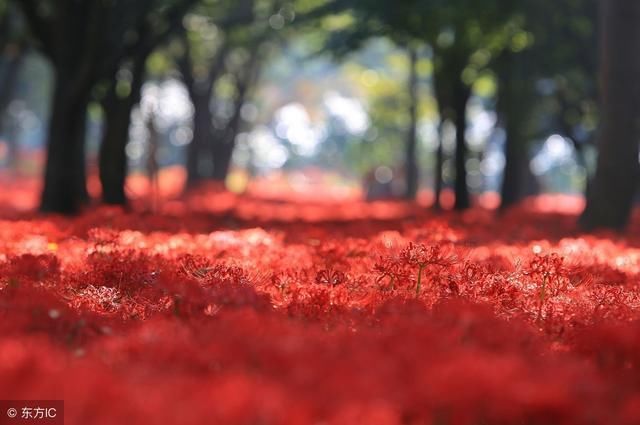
{"x":253,"y":311}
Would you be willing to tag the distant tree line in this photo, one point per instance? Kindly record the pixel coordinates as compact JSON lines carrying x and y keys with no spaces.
{"x":519,"y":42}
{"x":581,"y":49}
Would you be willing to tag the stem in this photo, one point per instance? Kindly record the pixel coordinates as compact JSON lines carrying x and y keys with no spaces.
{"x":419,"y":284}
{"x":542,"y":296}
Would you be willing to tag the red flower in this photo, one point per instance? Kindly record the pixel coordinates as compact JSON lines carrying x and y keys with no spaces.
{"x":330,"y":277}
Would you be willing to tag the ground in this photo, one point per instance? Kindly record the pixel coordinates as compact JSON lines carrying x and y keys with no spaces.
{"x":240,"y":310}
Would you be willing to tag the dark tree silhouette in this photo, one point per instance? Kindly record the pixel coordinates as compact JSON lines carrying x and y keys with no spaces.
{"x":612,"y":191}
{"x":462,"y":93}
{"x":153,"y":28}
{"x":70,"y":34}
{"x":559,"y":53}
{"x":411,"y":161}
{"x":13,"y":49}
{"x":224,"y":140}
{"x":453,"y":95}
{"x":200,"y":90}
{"x":211,"y":149}
{"x":454,"y":30}
{"x":112,"y":160}
{"x":83,"y":40}
{"x":515,"y":107}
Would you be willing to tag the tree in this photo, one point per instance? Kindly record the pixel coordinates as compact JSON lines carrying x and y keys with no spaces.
{"x":515,"y":107}
{"x":69,"y":33}
{"x":200,"y":88}
{"x":393,"y":85}
{"x":516,"y":74}
{"x":544,"y":46}
{"x":612,"y":191}
{"x":453,"y":94}
{"x":411,"y":165}
{"x":456,"y":31}
{"x":241,"y":38}
{"x":82,"y":39}
{"x":124,"y":83}
{"x":368,"y":23}
{"x":13,"y":48}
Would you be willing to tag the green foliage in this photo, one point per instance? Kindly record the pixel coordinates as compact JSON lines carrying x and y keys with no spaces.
{"x":383,"y":87}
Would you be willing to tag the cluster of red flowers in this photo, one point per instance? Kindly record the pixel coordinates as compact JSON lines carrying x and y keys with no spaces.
{"x":395,"y":316}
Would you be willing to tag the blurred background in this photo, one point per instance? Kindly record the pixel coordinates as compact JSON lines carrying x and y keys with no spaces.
{"x":451,"y":103}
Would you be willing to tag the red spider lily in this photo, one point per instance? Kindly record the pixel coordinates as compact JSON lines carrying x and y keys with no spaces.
{"x":330,"y":277}
{"x":318,"y":318}
{"x":422,"y":257}
{"x":550,"y":277}
{"x":391,"y":268}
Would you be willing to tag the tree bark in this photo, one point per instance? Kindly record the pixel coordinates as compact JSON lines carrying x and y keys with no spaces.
{"x":515,"y":164}
{"x":113,"y":157}
{"x":515,"y":100}
{"x":199,"y":148}
{"x":65,"y":175}
{"x":224,"y":145}
{"x":439,"y":165}
{"x":461,"y":97}
{"x":222,"y":154}
{"x":82,"y":39}
{"x":610,"y":200}
{"x":112,"y":160}
{"x":72,"y":39}
{"x":8,"y":85}
{"x":200,"y":91}
{"x":9,"y":79}
{"x":411,"y":163}
{"x":79,"y":147}
{"x":442,"y":91}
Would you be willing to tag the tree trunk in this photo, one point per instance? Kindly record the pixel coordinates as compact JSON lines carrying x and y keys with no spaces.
{"x":113,"y":157}
{"x":9,"y":79}
{"x":461,"y":98}
{"x":222,"y":154}
{"x":80,"y":135}
{"x":13,"y":52}
{"x":437,"y":185}
{"x":611,"y":195}
{"x":199,"y":166}
{"x":197,"y":157}
{"x":65,"y":175}
{"x":73,"y":41}
{"x":515,"y":105}
{"x":515,"y":161}
{"x":442,"y":91}
{"x":8,"y":85}
{"x":224,"y":145}
{"x":411,"y":163}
